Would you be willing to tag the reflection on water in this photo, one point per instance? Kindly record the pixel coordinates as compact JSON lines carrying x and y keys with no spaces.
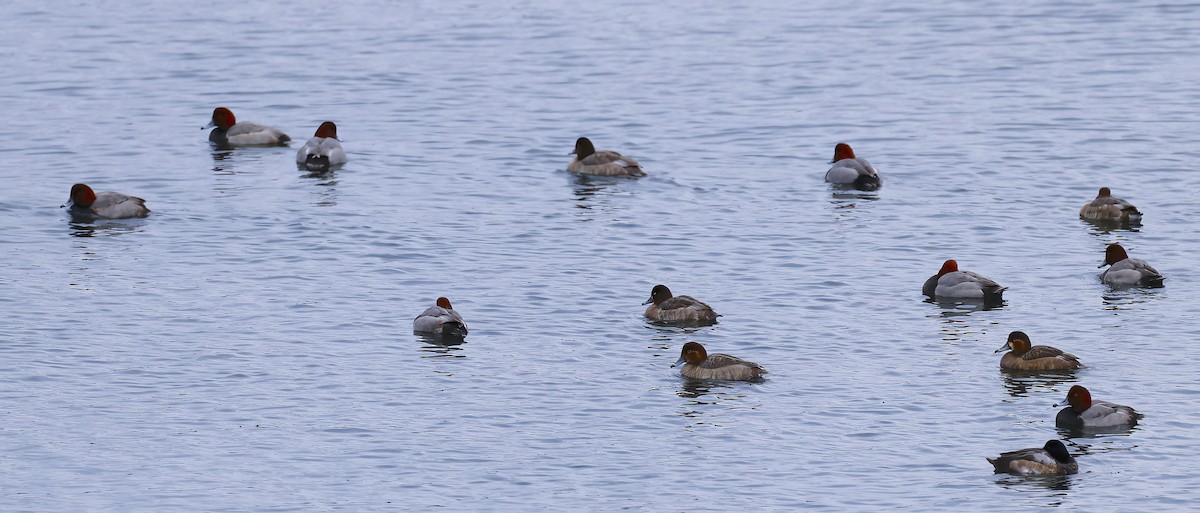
{"x":326,"y":183}
{"x":591,"y":192}
{"x":956,"y":320}
{"x":1096,"y":432}
{"x":1018,"y":383}
{"x":961,"y":306}
{"x":440,"y":347}
{"x":1036,"y":483}
{"x":1104,"y":228}
{"x":845,"y":201}
{"x":698,"y":388}
{"x":1128,"y":298}
{"x":221,"y":167}
{"x":89,"y":226}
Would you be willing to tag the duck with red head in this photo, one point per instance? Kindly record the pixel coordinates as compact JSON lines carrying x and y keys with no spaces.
{"x":590,"y":161}
{"x":107,"y":205}
{"x":323,"y":151}
{"x":441,"y":320}
{"x":229,"y":133}
{"x":1083,"y":413}
{"x":677,"y":309}
{"x":1107,"y":208}
{"x":1025,"y":357}
{"x":950,"y":282}
{"x":1052,"y":459}
{"x":1129,"y":272}
{"x":698,"y":364}
{"x":852,"y":171}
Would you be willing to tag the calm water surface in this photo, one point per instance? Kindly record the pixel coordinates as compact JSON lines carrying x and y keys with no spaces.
{"x":248,"y":346}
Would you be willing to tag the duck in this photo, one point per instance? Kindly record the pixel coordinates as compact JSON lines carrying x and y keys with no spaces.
{"x":951,"y":282}
{"x":1025,"y":357}
{"x":1052,"y":459}
{"x":323,"y":151}
{"x":1083,"y":412}
{"x":229,"y":133}
{"x":589,"y":161}
{"x":698,"y":364}
{"x":1107,"y":208}
{"x":1127,"y":271}
{"x":107,"y":205}
{"x":850,"y":170}
{"x":669,"y":308}
{"x":441,"y":320}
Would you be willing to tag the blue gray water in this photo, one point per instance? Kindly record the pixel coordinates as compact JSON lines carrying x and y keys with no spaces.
{"x":248,"y":346}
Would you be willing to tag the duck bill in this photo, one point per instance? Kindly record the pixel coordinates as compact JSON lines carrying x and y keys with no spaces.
{"x":648,"y":301}
{"x":1003,"y":349}
{"x":678,"y":362}
{"x":209,"y":125}
{"x":1063,"y":402}
{"x":69,"y":203}
{"x":1102,"y":264}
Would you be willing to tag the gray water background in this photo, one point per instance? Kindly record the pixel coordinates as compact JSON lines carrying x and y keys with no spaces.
{"x":248,"y":346}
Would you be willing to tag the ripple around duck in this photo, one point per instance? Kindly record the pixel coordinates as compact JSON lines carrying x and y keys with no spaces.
{"x":256,"y":328}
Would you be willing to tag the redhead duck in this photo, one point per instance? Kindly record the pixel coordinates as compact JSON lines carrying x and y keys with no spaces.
{"x":668,"y":308}
{"x":589,"y":161}
{"x":850,"y":170}
{"x":1051,"y":460}
{"x":1107,"y":208}
{"x":1128,"y":271}
{"x":229,"y":133}
{"x":441,"y":320}
{"x":1083,"y":412}
{"x":323,"y":151}
{"x":1022,"y":356}
{"x":951,"y":282}
{"x":108,"y":205}
{"x":698,"y":364}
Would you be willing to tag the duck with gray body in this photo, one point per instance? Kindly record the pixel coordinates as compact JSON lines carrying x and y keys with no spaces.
{"x":85,"y":203}
{"x":590,"y":161}
{"x":1082,"y":412}
{"x":229,"y":133}
{"x":950,"y":282}
{"x":1052,"y":459}
{"x":1107,"y":208}
{"x":851,"y":170}
{"x":698,"y":364}
{"x":677,"y":309}
{"x":1125,"y":271}
{"x":441,"y":320}
{"x":323,"y":151}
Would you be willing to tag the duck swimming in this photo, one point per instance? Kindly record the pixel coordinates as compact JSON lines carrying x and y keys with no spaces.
{"x":1051,"y":459}
{"x":1025,"y":357}
{"x":441,"y":320}
{"x":1127,"y":271}
{"x":850,"y":170}
{"x":953,"y":283}
{"x":229,"y":133}
{"x":698,"y":364}
{"x":107,"y":205}
{"x":668,"y":308}
{"x":1083,"y":412}
{"x":1107,"y":208}
{"x":589,"y":161}
{"x":323,"y":151}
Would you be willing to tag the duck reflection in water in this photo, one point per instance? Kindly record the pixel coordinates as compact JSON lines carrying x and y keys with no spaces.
{"x":1018,"y":383}
{"x":437,"y":346}
{"x":219,"y":165}
{"x":87,"y":227}
{"x":326,"y":183}
{"x":592,"y":192}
